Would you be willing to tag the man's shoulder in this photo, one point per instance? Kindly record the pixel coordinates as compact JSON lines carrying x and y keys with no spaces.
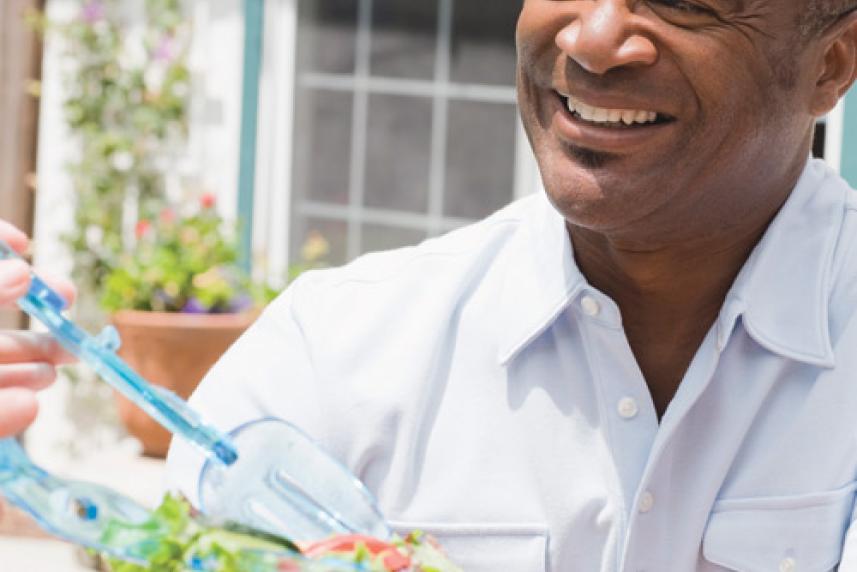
{"x":441,"y":268}
{"x":459,"y":249}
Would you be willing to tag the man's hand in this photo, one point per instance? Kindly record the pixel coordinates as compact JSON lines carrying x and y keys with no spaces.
{"x":27,"y":359}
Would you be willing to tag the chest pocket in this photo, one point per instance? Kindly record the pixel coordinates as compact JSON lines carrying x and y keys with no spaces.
{"x":488,"y":547}
{"x":803,"y":533}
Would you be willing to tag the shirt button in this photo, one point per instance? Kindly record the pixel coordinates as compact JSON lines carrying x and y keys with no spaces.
{"x":590,"y":306}
{"x":628,"y":408}
{"x":788,"y":565}
{"x":647,"y":502}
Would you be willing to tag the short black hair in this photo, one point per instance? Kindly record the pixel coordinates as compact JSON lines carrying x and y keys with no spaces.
{"x":821,"y":13}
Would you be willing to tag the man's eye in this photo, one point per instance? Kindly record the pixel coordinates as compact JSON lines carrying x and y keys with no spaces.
{"x":682,"y":6}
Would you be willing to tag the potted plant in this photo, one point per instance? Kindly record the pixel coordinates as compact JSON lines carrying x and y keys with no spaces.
{"x":178,"y":300}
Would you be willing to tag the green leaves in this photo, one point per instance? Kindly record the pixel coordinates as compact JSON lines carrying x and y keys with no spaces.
{"x":174,"y":540}
{"x":181,"y":264}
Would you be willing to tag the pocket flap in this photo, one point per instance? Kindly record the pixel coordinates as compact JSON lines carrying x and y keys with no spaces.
{"x":779,"y":533}
{"x":488,"y":547}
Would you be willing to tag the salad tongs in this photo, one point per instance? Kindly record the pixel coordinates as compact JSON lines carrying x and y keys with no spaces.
{"x":266,"y":474}
{"x":72,"y":510}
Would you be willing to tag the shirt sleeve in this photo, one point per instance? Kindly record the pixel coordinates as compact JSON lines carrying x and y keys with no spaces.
{"x":268,"y":372}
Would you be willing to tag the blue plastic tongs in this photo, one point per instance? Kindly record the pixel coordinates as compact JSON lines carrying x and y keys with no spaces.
{"x":99,"y":352}
{"x":75,"y":510}
{"x":72,"y":510}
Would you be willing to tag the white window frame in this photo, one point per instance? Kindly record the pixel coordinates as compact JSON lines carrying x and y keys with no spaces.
{"x":273,"y":195}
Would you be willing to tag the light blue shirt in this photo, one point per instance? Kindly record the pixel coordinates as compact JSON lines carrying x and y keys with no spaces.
{"x":487,"y":394}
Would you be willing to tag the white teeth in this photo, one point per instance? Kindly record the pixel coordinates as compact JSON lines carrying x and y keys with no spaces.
{"x":602,"y":115}
{"x":629,"y":116}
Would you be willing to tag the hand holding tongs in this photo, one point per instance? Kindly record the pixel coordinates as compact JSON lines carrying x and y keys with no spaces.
{"x":281,"y":482}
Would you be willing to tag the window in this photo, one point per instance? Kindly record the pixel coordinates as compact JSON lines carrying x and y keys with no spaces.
{"x":404,"y":121}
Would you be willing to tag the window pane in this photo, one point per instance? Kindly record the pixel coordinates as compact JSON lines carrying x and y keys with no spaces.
{"x":327,"y":34}
{"x":335,"y":232}
{"x":398,"y":149}
{"x":483,"y":42}
{"x":404,"y":38}
{"x":376,"y":237}
{"x":323,"y":145}
{"x":819,"y":140}
{"x":480,"y":176}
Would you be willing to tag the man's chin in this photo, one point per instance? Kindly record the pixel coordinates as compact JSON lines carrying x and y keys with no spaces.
{"x":593,"y":189}
{"x":590,"y":159}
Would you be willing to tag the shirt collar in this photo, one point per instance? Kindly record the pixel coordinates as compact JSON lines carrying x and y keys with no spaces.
{"x":782,"y":293}
{"x":540,"y":277}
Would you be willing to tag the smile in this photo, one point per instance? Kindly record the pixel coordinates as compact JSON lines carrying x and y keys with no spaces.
{"x":616,"y":129}
{"x":610,"y":117}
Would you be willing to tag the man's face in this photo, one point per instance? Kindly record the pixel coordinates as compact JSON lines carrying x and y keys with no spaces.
{"x":682,"y":111}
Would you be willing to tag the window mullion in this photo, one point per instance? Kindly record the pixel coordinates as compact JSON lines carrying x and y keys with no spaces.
{"x":359,"y":128}
{"x":440,"y":117}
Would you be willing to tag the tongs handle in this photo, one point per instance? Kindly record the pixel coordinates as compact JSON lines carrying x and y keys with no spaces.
{"x":75,"y":511}
{"x":99,"y":352}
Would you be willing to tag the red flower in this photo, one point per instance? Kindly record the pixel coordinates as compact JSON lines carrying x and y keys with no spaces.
{"x":142,"y":228}
{"x":207,"y":200}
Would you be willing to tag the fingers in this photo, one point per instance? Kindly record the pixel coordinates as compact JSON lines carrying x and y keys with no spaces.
{"x":14,"y":237}
{"x":14,"y":280}
{"x":19,"y":407}
{"x":32,"y":376}
{"x":64,"y":287}
{"x":23,"y":346}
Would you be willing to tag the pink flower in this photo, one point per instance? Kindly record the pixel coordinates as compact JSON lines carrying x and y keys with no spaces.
{"x":207,"y":200}
{"x":165,"y":50}
{"x":142,"y":228}
{"x":93,"y":12}
{"x":168,"y":215}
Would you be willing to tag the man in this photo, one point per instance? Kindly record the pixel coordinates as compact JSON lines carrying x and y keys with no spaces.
{"x":650,"y":367}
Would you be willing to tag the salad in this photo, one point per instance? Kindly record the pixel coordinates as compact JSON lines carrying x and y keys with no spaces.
{"x":175,"y":539}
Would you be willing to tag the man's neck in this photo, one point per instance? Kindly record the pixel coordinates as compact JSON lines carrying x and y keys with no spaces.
{"x":669,"y":296}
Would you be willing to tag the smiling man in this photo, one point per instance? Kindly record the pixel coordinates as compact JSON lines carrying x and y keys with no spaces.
{"x":652,"y":365}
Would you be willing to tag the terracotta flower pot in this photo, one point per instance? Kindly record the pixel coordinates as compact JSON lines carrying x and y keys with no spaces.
{"x":173,"y":350}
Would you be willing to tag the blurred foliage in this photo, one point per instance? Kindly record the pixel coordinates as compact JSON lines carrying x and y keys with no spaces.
{"x":127,"y":110}
{"x":128,"y":85}
{"x":183,"y":263}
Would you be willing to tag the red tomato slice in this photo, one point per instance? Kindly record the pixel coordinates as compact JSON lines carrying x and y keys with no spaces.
{"x":393,"y":559}
{"x":346,"y":543}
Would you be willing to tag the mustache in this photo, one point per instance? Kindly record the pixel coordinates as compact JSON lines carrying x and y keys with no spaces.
{"x":643,"y":83}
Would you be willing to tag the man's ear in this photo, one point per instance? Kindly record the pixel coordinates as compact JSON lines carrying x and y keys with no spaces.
{"x":838,"y":67}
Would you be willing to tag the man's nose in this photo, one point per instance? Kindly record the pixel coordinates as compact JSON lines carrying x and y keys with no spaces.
{"x":603,"y":37}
